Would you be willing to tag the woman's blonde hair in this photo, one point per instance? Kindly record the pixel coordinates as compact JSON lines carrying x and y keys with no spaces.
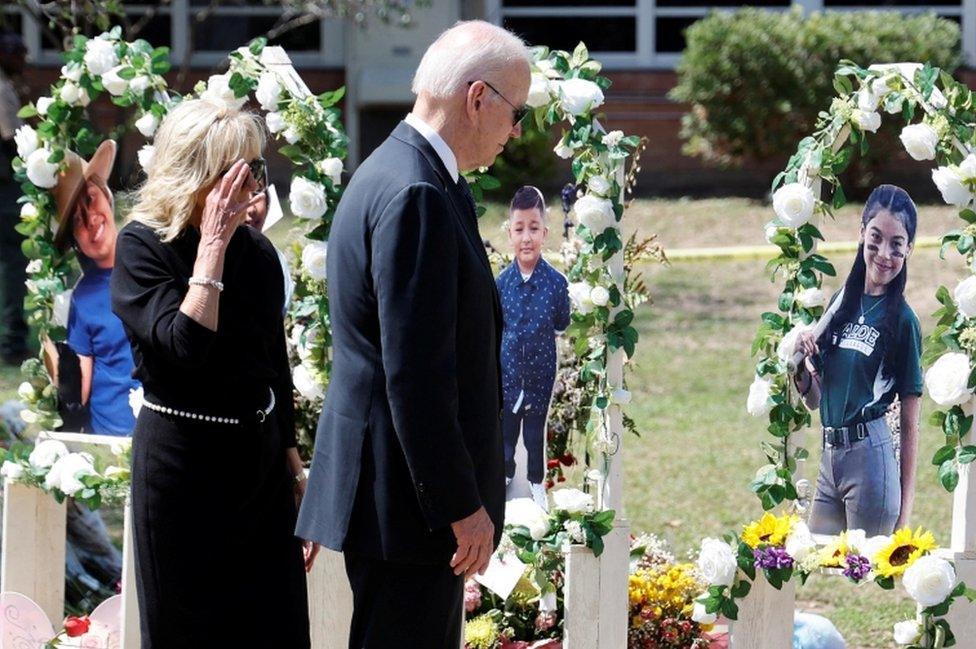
{"x":196,"y":143}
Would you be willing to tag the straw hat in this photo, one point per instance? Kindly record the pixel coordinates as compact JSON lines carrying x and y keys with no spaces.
{"x":72,"y":181}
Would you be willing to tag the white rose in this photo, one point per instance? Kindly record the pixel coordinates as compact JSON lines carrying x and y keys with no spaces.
{"x":573,"y":501}
{"x":613,"y":138}
{"x":811,"y":298}
{"x":920,"y":141}
{"x":306,"y":384}
{"x":800,"y":542}
{"x":43,"y":103}
{"x":794,"y":204}
{"x":29,"y":416}
{"x":139,"y":84}
{"x":275,"y":122}
{"x":758,"y":404}
{"x":83,"y":98}
{"x":28,"y":211}
{"x":717,"y":563}
{"x":313,"y":259}
{"x":62,"y":307}
{"x":579,"y":293}
{"x":72,"y":72}
{"x":788,"y":344}
{"x":34,"y":266}
{"x":100,"y":56}
{"x":547,"y":602}
{"x":527,"y":513}
{"x":907,"y":632}
{"x":25,"y":391}
{"x":867,"y":120}
{"x":867,"y":99}
{"x":67,"y":470}
{"x":136,"y":399}
{"x":219,"y":92}
{"x":11,"y":470}
{"x":595,"y":213}
{"x":41,"y":172}
{"x":70,"y":93}
{"x":291,"y":134}
{"x":930,"y":580}
{"x":146,"y":155}
{"x":268,"y":92}
{"x":46,"y":453}
{"x":304,"y":341}
{"x":578,"y":96}
{"x":700,"y":615}
{"x":947,"y":381}
{"x":27,"y":141}
{"x":307,"y":198}
{"x":539,"y":94}
{"x":147,"y":124}
{"x":598,"y":185}
{"x":332,"y":167}
{"x":771,"y":231}
{"x":620,"y":396}
{"x":950,"y":184}
{"x":599,"y":296}
{"x":115,"y":84}
{"x":965,"y":296}
{"x":563,"y":150}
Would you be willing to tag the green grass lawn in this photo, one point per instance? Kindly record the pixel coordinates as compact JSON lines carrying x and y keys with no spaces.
{"x":688,"y":473}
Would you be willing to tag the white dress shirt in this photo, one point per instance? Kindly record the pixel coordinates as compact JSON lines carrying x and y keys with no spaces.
{"x":440,"y":146}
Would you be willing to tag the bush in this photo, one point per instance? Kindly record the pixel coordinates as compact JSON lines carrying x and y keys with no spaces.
{"x":527,"y":160}
{"x":755,"y":80}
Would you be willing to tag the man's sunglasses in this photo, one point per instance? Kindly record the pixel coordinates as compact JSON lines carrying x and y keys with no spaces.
{"x":518,"y":113}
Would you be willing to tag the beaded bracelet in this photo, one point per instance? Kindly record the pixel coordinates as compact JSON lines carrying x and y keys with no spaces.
{"x":206,"y":281}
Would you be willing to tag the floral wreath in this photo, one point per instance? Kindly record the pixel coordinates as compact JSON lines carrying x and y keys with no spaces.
{"x":132,"y":75}
{"x":782,"y":547}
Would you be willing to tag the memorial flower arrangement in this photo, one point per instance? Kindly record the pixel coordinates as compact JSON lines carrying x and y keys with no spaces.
{"x":782,"y":547}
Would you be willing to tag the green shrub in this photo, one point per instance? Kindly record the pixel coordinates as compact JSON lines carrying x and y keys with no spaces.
{"x":527,"y":160}
{"x":755,"y":80}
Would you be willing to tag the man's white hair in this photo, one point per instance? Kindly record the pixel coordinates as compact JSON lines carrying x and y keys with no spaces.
{"x":472,"y":50}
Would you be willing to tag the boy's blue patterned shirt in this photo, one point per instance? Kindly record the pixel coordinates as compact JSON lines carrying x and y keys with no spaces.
{"x":534,"y":310}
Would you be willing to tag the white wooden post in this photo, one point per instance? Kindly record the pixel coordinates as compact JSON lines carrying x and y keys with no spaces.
{"x":581,"y":599}
{"x":962,"y":615}
{"x":131,"y":634}
{"x":329,"y":602}
{"x":765,"y":617}
{"x":34,"y":527}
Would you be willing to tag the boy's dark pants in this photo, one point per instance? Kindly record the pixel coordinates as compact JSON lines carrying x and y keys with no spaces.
{"x":532,"y":427}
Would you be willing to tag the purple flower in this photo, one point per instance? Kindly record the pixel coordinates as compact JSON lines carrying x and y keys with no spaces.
{"x":772,"y":558}
{"x":857,"y":568}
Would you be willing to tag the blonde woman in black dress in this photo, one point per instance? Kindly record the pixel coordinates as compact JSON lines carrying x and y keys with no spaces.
{"x":215,"y":473}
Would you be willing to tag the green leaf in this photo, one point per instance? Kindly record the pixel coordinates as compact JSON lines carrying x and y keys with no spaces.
{"x":741,"y":589}
{"x":967,"y":454}
{"x":943,"y":454}
{"x":127,"y":73}
{"x":839,"y":199}
{"x":949,"y":475}
{"x":257,"y":45}
{"x":489,"y":183}
{"x":27,"y":111}
{"x":968,"y":215}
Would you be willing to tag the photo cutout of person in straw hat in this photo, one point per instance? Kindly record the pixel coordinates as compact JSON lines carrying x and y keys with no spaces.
{"x":96,"y":397}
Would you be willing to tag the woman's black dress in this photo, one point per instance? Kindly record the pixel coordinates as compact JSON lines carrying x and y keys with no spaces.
{"x":217,"y":562}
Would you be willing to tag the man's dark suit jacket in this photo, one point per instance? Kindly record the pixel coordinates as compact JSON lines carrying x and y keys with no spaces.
{"x":409,"y":438}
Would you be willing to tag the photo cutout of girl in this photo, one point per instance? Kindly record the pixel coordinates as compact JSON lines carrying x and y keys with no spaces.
{"x":869,"y":354}
{"x":535,"y":307}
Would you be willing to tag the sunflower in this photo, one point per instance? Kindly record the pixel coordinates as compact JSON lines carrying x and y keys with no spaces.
{"x":835,"y":553}
{"x":769,"y":530}
{"x":903,"y":550}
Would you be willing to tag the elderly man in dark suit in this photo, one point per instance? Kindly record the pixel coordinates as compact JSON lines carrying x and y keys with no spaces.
{"x":408,"y":474}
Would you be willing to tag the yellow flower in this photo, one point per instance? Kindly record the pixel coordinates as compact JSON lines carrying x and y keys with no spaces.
{"x":835,"y":553}
{"x":903,"y":550}
{"x":663,"y":591}
{"x":480,"y":633}
{"x":769,"y":530}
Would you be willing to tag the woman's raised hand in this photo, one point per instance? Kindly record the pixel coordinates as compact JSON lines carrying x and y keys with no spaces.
{"x":227,"y":204}
{"x":807,"y":343}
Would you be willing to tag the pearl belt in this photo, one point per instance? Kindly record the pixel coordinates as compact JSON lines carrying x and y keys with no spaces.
{"x":260,"y":415}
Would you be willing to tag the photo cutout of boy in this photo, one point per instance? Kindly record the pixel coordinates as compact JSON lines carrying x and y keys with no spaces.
{"x":535,"y":306}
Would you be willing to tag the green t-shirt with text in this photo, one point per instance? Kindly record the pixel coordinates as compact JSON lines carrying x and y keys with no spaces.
{"x":855,"y":386}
